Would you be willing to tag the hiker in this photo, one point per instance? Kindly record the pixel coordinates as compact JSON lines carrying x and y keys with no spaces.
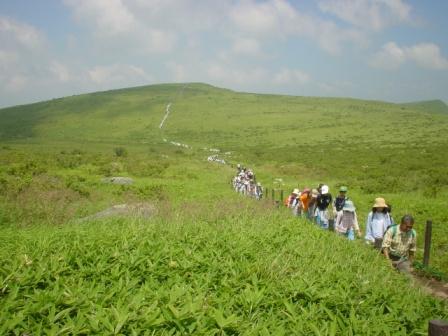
{"x":312,"y":205}
{"x":323,"y":201}
{"x":347,"y":222}
{"x":304,"y":200}
{"x":238,"y":168}
{"x":259,"y":191}
{"x":340,"y":200}
{"x":400,"y":244}
{"x":378,"y":220}
{"x":290,"y":202}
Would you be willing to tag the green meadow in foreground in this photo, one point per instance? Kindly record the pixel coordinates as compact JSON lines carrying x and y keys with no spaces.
{"x":249,"y":271}
{"x":207,"y":261}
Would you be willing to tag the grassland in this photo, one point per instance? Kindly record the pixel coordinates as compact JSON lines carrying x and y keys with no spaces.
{"x":209,"y":262}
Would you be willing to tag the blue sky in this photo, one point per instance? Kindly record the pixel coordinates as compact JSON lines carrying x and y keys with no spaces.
{"x":393,"y":50}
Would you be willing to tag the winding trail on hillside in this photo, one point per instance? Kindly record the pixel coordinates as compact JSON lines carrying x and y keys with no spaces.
{"x":178,"y":94}
{"x":167,"y":113}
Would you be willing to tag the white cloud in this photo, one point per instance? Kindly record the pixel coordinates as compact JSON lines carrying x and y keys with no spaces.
{"x":60,"y":71}
{"x":391,"y":56}
{"x":110,"y":17}
{"x":246,"y":46}
{"x":178,"y":71}
{"x":278,"y":19}
{"x":369,"y":14}
{"x":425,"y":55}
{"x":118,"y":74}
{"x":116,"y":23}
{"x":291,"y":76}
{"x":18,"y":34}
{"x":15,"y":83}
{"x":230,"y":75}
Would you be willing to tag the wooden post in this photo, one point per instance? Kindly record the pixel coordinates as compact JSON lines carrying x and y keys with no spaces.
{"x":266,"y":193}
{"x":273,"y":194}
{"x":438,"y":328}
{"x":331,"y":224}
{"x":428,"y":232}
{"x":281,"y":196}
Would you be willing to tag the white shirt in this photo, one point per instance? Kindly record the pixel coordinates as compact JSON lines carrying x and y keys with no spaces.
{"x":377,"y":224}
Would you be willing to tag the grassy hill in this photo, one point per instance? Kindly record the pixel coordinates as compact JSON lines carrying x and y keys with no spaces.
{"x":435,"y":106}
{"x":209,"y":262}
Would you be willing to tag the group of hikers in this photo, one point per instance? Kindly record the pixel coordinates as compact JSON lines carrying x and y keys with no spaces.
{"x":246,"y":183}
{"x":396,"y":241}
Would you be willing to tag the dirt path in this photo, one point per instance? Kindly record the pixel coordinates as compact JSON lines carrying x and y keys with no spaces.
{"x":434,"y":287}
{"x":167,"y":112}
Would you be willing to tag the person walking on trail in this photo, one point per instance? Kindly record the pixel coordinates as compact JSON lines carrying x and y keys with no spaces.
{"x":323,"y":201}
{"x":378,"y":220}
{"x":400,"y":244}
{"x":347,"y":221}
{"x":291,"y":200}
{"x":339,"y":201}
{"x":312,"y":205}
{"x":304,"y":199}
{"x":259,"y":191}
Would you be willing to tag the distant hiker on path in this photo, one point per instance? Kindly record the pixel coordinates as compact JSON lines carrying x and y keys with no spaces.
{"x":340,"y":200}
{"x":305,"y":198}
{"x":323,"y":201}
{"x":346,"y":221}
{"x":377,"y":223}
{"x":291,"y":200}
{"x":258,"y":191}
{"x":312,"y":205}
{"x":400,"y":244}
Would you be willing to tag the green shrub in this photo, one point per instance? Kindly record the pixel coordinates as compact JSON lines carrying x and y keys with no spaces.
{"x":120,"y":152}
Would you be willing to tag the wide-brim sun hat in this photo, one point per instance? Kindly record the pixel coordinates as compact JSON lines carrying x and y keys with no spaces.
{"x":349,"y":206}
{"x":324,"y":189}
{"x":380,"y":203}
{"x":343,"y":189}
{"x":314,"y":193}
{"x":296,"y":191}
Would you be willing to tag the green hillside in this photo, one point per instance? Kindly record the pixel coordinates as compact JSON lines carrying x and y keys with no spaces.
{"x":434,"y":106}
{"x":206,"y":261}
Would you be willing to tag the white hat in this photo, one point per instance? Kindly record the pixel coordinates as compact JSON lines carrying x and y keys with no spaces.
{"x":324,"y":189}
{"x":296,"y":191}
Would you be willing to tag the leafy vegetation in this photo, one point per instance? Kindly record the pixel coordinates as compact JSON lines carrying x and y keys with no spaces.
{"x":250,"y":271}
{"x":209,"y":262}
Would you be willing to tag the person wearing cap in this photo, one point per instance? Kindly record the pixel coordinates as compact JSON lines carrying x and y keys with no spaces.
{"x":400,"y":244}
{"x":323,"y":201}
{"x":312,"y":205}
{"x":340,"y":200}
{"x":347,"y":221}
{"x":378,"y":220}
{"x":290,"y":202}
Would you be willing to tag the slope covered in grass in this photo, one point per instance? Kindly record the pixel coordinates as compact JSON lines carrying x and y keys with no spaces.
{"x":248,"y":271}
{"x":432,"y":106}
{"x":376,"y":148}
{"x":207,"y":261}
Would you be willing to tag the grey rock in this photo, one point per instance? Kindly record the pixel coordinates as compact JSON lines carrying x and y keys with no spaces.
{"x":118,"y":180}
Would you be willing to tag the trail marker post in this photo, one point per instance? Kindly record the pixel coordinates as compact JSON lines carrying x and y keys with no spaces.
{"x":438,"y":328}
{"x":428,"y":233}
{"x":273,"y":194}
{"x":331,"y":224}
{"x":281,"y":196}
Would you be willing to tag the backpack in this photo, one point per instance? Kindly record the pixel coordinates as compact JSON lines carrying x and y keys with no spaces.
{"x":394,"y":229}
